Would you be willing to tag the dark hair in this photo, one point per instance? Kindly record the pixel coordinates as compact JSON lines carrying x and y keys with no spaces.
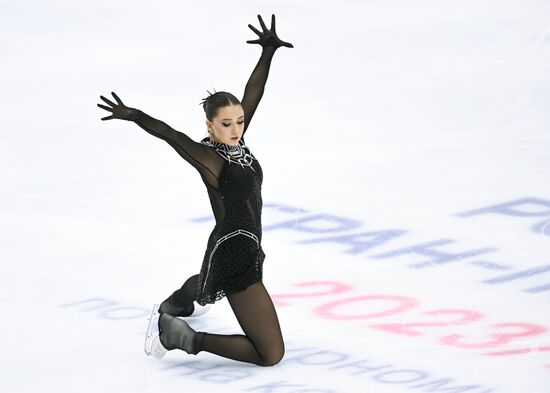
{"x":218,"y":100}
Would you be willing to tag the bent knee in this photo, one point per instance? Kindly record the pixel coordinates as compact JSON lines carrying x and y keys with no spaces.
{"x":273,"y":358}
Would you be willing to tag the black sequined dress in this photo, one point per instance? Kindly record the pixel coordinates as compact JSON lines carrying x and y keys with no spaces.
{"x":234,"y":256}
{"x":233,"y":177}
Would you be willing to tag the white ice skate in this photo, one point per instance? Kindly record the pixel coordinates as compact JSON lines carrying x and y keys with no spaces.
{"x":153,"y":346}
{"x":199,"y":310}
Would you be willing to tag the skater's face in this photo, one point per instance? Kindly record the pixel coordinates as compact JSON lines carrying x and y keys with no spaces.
{"x":228,"y":125}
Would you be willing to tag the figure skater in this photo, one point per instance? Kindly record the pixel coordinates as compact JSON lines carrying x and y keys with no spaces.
{"x":233,"y":260}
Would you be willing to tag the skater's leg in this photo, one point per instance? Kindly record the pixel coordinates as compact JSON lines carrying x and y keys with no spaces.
{"x":180,"y":302}
{"x":262,"y":343}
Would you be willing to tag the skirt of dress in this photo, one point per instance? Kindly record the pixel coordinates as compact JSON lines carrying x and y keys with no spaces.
{"x":232,"y":262}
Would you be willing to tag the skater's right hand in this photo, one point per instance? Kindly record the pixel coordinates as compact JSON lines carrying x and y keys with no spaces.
{"x":119,"y":111}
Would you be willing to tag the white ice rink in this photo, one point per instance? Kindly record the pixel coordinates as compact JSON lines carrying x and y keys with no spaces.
{"x":405,"y":147}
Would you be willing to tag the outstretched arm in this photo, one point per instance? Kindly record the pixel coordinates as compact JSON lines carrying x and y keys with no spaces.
{"x":254,"y":89}
{"x":193,"y":152}
{"x":255,"y":86}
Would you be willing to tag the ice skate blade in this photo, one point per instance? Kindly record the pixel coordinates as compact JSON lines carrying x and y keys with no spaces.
{"x":153,"y":346}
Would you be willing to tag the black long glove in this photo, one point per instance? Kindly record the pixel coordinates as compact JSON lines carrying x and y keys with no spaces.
{"x":119,"y":111}
{"x":268,"y":37}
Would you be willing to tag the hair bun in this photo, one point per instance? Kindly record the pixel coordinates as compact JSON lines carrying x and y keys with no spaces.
{"x":204,"y":100}
{"x":214,"y":102}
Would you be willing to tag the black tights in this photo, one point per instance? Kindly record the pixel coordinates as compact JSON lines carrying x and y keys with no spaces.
{"x":262,"y":343}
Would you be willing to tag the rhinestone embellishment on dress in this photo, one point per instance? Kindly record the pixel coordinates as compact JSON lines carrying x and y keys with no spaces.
{"x":238,"y":153}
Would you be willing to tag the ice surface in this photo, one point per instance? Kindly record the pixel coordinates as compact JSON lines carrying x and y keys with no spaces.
{"x":405,"y":150}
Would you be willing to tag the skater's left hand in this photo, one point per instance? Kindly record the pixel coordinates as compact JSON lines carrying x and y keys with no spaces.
{"x":119,"y":110}
{"x":268,"y":37}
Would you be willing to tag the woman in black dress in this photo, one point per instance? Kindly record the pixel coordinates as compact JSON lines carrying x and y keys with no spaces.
{"x":233,"y":260}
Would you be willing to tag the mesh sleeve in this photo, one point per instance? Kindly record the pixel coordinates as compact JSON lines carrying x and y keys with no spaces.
{"x":196,"y":154}
{"x":254,"y":89}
